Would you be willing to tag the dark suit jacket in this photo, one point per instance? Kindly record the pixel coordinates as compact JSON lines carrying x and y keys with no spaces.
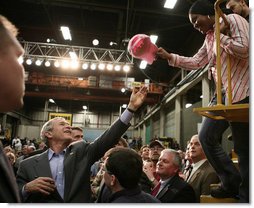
{"x":135,"y":195}
{"x":177,"y":191}
{"x":8,"y":187}
{"x":202,"y":178}
{"x":78,"y":160}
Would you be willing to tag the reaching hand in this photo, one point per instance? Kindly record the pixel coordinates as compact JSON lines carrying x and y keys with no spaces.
{"x":162,"y":53}
{"x":137,"y":98}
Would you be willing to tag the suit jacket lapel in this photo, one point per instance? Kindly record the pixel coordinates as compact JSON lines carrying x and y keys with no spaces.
{"x":196,"y":174}
{"x":42,"y":168}
{"x":166,"y":188}
{"x":69,"y":165}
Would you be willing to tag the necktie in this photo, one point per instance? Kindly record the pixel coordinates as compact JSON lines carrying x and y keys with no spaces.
{"x":188,"y":173}
{"x":156,"y":189}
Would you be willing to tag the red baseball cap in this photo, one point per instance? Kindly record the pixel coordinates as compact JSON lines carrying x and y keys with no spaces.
{"x":141,"y":47}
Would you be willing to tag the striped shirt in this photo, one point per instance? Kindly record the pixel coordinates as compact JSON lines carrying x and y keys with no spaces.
{"x":237,"y":46}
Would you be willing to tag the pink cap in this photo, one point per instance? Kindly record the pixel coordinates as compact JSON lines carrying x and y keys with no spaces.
{"x":141,"y":47}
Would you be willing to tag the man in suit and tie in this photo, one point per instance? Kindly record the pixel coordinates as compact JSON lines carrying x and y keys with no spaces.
{"x":202,"y":174}
{"x":12,"y":89}
{"x":172,"y":188}
{"x":62,"y":173}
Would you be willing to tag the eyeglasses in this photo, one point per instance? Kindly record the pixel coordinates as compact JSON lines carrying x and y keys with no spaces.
{"x":156,"y":148}
{"x":104,"y":168}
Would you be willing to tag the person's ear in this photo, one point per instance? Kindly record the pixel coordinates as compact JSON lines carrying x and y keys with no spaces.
{"x":48,"y":134}
{"x":113,"y":180}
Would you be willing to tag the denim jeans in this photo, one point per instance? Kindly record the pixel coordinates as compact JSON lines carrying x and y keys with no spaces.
{"x":210,"y":137}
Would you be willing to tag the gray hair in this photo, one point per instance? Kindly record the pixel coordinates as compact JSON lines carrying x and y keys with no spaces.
{"x":48,"y":126}
{"x":177,"y":160}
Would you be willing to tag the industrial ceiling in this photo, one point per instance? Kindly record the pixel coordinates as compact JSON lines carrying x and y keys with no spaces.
{"x":108,"y":21}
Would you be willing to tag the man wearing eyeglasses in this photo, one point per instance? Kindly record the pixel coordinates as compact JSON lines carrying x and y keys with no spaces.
{"x":155,"y":148}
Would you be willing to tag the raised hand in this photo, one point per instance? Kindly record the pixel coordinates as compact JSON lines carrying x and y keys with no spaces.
{"x":137,"y":98}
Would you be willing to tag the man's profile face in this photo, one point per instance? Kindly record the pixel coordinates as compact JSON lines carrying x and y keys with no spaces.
{"x":12,"y":82}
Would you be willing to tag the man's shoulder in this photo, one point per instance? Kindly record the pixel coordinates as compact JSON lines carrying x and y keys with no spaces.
{"x":34,"y":158}
{"x":236,"y":17}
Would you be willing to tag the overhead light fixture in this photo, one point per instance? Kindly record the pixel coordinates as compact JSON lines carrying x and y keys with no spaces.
{"x":117,"y":67}
{"x":170,"y":4}
{"x":51,"y":100}
{"x":73,"y":55}
{"x":28,"y":61}
{"x":126,"y":68}
{"x":93,"y":66}
{"x":124,"y":106}
{"x":112,"y":43}
{"x":95,"y":42}
{"x":101,"y":66}
{"x":66,"y":32}
{"x":47,"y":64}
{"x":56,"y":64}
{"x":123,"y":90}
{"x":38,"y":62}
{"x":153,"y":38}
{"x":51,"y":40}
{"x":85,"y":66}
{"x":143,"y":65}
{"x":65,"y":64}
{"x":110,"y":67}
{"x":188,"y":105}
{"x":84,"y":107}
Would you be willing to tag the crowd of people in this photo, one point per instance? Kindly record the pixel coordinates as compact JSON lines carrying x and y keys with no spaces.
{"x":61,"y":170}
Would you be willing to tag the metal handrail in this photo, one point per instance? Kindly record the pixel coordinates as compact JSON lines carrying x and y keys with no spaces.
{"x":218,"y":14}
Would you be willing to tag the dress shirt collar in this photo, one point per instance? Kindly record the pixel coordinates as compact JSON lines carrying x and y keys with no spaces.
{"x":163,"y":183}
{"x":51,"y":153}
{"x":197,"y":165}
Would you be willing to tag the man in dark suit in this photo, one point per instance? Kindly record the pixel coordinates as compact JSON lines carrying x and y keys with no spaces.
{"x":12,"y":87}
{"x":62,"y":173}
{"x":122,"y":173}
{"x":172,"y":188}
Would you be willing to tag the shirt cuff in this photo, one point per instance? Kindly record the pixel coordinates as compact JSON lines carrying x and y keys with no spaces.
{"x":126,"y":116}
{"x":24,"y":193}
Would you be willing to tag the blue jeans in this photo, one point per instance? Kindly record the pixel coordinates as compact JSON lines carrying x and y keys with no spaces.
{"x":210,"y":137}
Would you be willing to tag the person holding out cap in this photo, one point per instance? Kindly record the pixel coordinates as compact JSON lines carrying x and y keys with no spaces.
{"x":202,"y":17}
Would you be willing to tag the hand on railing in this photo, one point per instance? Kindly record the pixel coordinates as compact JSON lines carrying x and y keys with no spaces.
{"x":224,"y":25}
{"x":225,"y":29}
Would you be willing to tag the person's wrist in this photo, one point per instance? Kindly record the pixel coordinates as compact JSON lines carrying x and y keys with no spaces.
{"x":26,"y":188}
{"x":131,"y":110}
